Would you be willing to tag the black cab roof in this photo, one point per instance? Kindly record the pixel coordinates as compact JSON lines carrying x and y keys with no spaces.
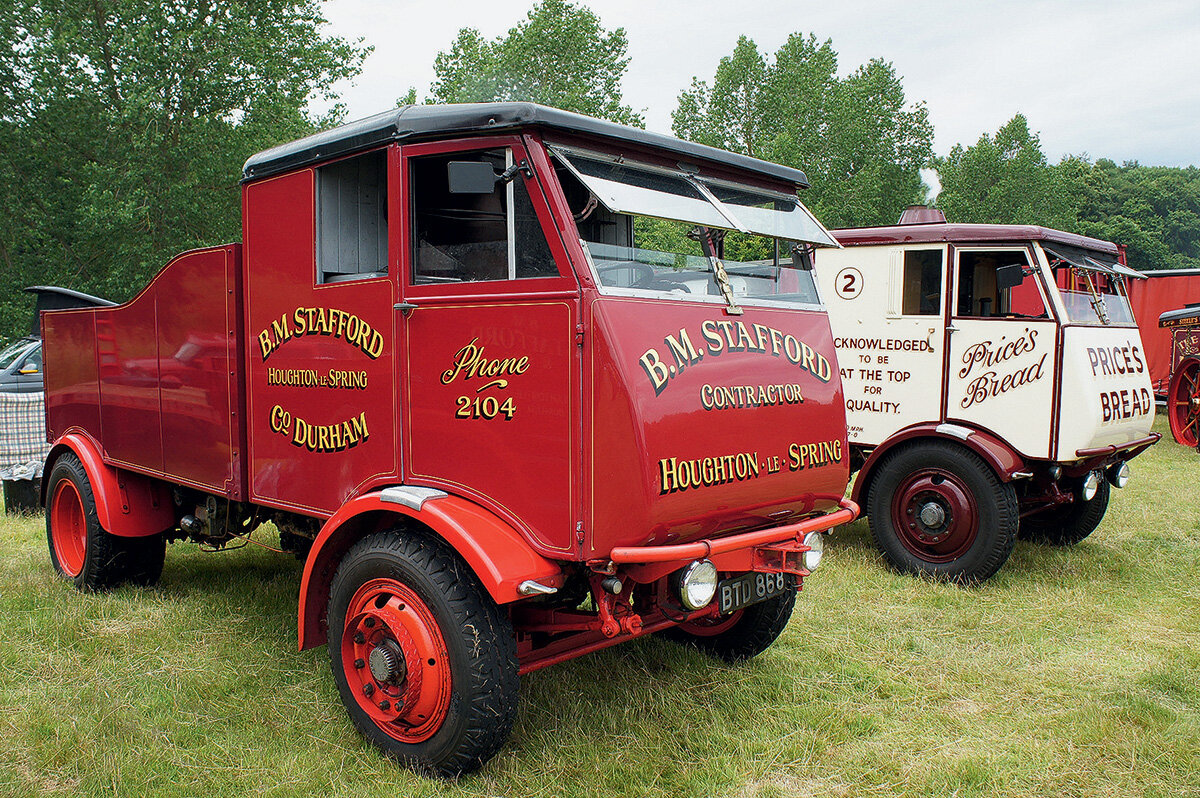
{"x":423,"y":122}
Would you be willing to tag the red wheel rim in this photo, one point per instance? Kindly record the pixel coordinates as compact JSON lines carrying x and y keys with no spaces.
{"x":395,"y":660}
{"x":68,"y":527}
{"x":935,"y":515}
{"x":1183,"y":403}
{"x":711,"y":627}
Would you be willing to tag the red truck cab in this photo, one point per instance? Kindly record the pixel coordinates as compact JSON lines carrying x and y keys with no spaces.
{"x":518,"y":384}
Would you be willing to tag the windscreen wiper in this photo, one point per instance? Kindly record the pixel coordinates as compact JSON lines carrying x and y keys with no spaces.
{"x":709,"y":240}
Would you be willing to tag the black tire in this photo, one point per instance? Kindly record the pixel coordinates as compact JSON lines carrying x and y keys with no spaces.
{"x":397,"y":583}
{"x":83,"y":551}
{"x":744,"y":634}
{"x":143,"y":559}
{"x":936,"y":509}
{"x":1068,"y":524}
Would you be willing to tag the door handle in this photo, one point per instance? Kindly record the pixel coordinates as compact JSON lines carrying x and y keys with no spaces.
{"x":949,"y":327}
{"x":406,"y":308}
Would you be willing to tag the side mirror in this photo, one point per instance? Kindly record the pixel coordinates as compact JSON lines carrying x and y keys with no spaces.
{"x":1009,"y":276}
{"x":471,"y":177}
{"x":29,"y":370}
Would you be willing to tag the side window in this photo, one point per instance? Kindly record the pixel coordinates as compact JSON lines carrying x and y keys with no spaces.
{"x":978,"y":295}
{"x":474,"y":236}
{"x":352,"y":234}
{"x":33,"y":361}
{"x":922,"y":283}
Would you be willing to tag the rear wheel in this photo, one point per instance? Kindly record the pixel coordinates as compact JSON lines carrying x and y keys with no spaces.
{"x":424,"y":660}
{"x":742,"y":634}
{"x":936,"y":509}
{"x":1068,"y":524}
{"x":1183,"y":402}
{"x":82,"y":550}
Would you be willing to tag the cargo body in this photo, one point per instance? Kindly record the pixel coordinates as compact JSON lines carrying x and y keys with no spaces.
{"x":559,"y":358}
{"x":995,"y":383}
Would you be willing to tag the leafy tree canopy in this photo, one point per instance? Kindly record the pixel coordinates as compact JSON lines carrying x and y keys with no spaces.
{"x":860,"y":143}
{"x":125,"y":124}
{"x":559,"y":55}
{"x":1006,"y":179}
{"x":1153,"y":210}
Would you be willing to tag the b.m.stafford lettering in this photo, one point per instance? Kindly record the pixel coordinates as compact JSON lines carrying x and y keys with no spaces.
{"x":676,"y":475}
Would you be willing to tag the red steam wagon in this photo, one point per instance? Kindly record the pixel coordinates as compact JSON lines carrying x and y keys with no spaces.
{"x":518,"y":384}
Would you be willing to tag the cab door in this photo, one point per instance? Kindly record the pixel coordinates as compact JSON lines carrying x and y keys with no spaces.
{"x":1001,"y":349}
{"x":490,"y":374}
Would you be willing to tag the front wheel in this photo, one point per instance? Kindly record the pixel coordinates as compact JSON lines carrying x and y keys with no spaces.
{"x":1183,"y":402}
{"x":936,"y":509}
{"x":424,"y":660}
{"x":1068,"y":524}
{"x":742,"y":634}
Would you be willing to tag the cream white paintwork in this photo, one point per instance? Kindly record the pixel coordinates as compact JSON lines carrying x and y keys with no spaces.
{"x":891,"y":364}
{"x":1106,"y":396}
{"x":1002,"y":374}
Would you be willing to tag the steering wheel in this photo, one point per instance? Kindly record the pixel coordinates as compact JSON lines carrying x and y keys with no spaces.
{"x":643,"y":274}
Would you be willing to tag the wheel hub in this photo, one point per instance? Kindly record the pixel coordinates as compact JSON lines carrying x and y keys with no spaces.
{"x":935,"y":515}
{"x":932,"y":515}
{"x":387,"y":663}
{"x":395,"y":661}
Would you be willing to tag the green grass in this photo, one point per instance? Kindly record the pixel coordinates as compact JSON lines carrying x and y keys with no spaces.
{"x":1074,"y":672}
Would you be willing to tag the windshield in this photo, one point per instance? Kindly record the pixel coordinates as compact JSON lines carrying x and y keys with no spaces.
{"x":9,"y":355}
{"x":1092,"y":285}
{"x":651,"y":230}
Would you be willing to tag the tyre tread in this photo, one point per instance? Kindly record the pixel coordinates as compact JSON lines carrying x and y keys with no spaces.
{"x":953,"y":458}
{"x":492,"y":699}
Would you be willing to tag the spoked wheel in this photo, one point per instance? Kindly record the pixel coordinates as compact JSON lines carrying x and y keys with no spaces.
{"x":1183,"y":403}
{"x":82,"y":550}
{"x":424,"y":660}
{"x":937,"y":509}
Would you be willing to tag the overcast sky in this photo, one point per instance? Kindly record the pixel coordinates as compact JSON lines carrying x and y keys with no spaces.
{"x":1109,"y":79}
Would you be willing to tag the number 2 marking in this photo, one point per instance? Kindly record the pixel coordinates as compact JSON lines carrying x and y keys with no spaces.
{"x":848,"y":283}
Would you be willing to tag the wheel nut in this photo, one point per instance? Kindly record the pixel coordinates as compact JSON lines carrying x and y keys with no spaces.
{"x":358,"y":638}
{"x":368,"y":689}
{"x":360,"y":663}
{"x":385,"y":704}
{"x":369,"y":623}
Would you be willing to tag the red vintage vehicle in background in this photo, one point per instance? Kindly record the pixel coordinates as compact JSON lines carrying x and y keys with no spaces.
{"x":518,"y":384}
{"x":1183,"y":391}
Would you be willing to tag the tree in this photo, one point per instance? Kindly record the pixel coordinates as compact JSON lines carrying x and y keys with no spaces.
{"x":1154,"y":211}
{"x":559,"y":55}
{"x":859,"y":142}
{"x":125,"y":124}
{"x":1005,"y":180}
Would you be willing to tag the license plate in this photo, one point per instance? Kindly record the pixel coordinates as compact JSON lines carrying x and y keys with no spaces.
{"x":741,"y":591}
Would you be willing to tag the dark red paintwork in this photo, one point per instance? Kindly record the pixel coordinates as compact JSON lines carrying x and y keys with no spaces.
{"x":156,"y":382}
{"x":965,"y":234}
{"x":206,"y":379}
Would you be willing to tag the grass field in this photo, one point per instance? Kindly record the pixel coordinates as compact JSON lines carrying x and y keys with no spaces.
{"x":1072,"y":673}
